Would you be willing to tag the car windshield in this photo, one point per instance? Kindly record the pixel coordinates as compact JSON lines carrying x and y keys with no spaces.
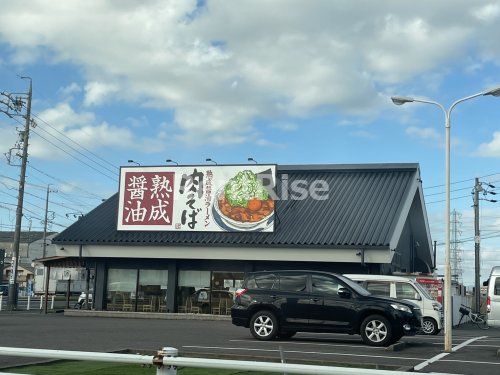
{"x":356,"y":287}
{"x":423,"y":290}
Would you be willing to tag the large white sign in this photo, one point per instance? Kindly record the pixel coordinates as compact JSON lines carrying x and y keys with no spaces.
{"x":218,"y":198}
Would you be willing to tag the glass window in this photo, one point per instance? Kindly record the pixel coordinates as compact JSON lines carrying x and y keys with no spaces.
{"x":497,"y":286}
{"x":293,"y":283}
{"x":224,"y":286}
{"x":152,"y":291}
{"x":325,"y":284}
{"x":269,"y":281}
{"x":121,"y":289}
{"x":406,"y":291}
{"x":379,"y":288}
{"x":193,"y":292}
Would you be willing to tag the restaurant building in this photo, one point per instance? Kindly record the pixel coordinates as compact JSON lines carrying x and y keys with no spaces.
{"x":367,"y":218}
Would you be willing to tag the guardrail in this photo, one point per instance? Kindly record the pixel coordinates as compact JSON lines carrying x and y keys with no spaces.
{"x":32,"y":303}
{"x":167,"y":362}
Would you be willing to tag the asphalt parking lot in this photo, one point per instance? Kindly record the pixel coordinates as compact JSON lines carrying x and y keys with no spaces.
{"x":475,"y":350}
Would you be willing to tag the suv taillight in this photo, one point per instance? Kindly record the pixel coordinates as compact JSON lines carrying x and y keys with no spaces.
{"x":488,"y":304}
{"x":240,"y":292}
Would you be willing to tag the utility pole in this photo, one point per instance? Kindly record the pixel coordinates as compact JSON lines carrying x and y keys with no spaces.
{"x":477,"y":240}
{"x":44,"y":252}
{"x":17,"y":105}
{"x":478,"y":188}
{"x":455,"y":250}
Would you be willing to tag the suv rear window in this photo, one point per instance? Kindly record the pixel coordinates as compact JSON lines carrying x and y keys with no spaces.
{"x":268,"y":281}
{"x":293,"y":283}
{"x":496,"y":291}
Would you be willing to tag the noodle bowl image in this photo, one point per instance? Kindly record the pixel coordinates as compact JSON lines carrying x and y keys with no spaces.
{"x":243,"y":202}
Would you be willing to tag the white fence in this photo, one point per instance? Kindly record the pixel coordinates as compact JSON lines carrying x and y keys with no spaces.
{"x":32,"y":303}
{"x":167,"y":362}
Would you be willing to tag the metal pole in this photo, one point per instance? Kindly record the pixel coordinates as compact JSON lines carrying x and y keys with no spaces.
{"x":19,"y":210}
{"x":87,"y":287}
{"x":47,"y":278}
{"x":477,"y":240}
{"x":448,"y":314}
{"x":44,"y":252}
{"x":68,"y":292}
{"x":435,"y":252}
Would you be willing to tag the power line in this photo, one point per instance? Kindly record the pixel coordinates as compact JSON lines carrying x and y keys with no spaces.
{"x":79,"y":152}
{"x":69,"y":153}
{"x":74,"y":157}
{"x":64,"y":182}
{"x":459,"y":182}
{"x":444,"y":200}
{"x":69,"y":138}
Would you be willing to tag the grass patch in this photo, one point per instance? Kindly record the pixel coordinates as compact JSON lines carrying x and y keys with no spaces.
{"x":102,"y":368}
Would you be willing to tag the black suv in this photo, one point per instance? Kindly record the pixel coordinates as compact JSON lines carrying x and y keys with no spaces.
{"x":280,"y":303}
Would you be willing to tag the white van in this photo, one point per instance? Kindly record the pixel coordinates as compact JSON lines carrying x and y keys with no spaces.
{"x":493,"y":299}
{"x":407,"y":289}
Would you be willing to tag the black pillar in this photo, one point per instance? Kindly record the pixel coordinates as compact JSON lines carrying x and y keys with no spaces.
{"x":100,"y":285}
{"x":172,"y":287}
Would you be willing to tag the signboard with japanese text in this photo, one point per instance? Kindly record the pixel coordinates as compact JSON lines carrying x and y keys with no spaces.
{"x":212,"y":198}
{"x":434,"y":286}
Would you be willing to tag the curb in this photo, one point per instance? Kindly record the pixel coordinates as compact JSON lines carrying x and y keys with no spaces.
{"x":145,"y":315}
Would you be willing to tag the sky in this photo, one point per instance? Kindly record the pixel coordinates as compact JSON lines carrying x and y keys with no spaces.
{"x":287,"y":82}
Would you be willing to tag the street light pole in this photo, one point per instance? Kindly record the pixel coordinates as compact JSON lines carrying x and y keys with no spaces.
{"x":448,"y":314}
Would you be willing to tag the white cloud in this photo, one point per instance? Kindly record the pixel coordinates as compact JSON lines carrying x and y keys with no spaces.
{"x":285,"y":126}
{"x":222,"y":67}
{"x":423,"y":133}
{"x":68,"y":91}
{"x":86,"y":131}
{"x":490,"y":149}
{"x":487,"y":13}
{"x":98,"y":92}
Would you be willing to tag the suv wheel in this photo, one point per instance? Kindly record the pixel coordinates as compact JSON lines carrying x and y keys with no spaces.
{"x":264,"y":325}
{"x":376,"y":331}
{"x":430,"y":327}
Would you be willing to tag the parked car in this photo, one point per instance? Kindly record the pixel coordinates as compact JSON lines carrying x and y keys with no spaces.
{"x":493,"y":298}
{"x":406,"y":289}
{"x":280,"y":303}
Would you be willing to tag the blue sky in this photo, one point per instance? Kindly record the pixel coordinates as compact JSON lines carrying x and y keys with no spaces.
{"x":287,"y":82}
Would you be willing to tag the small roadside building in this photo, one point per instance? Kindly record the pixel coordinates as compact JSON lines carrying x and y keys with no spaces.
{"x":367,"y":218}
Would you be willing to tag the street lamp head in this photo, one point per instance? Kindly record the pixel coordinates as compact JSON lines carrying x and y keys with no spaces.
{"x":171,"y":161}
{"x":493,"y":92}
{"x":400,"y":100}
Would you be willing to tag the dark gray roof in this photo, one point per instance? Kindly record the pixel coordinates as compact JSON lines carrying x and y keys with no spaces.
{"x":364,"y":205}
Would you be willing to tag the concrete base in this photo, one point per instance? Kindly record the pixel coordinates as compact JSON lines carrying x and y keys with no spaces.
{"x":144,"y":315}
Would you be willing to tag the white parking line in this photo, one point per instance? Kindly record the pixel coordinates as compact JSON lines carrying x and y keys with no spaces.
{"x":478,"y":362}
{"x":442,"y":355}
{"x":361,"y":346}
{"x":301,"y":352}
